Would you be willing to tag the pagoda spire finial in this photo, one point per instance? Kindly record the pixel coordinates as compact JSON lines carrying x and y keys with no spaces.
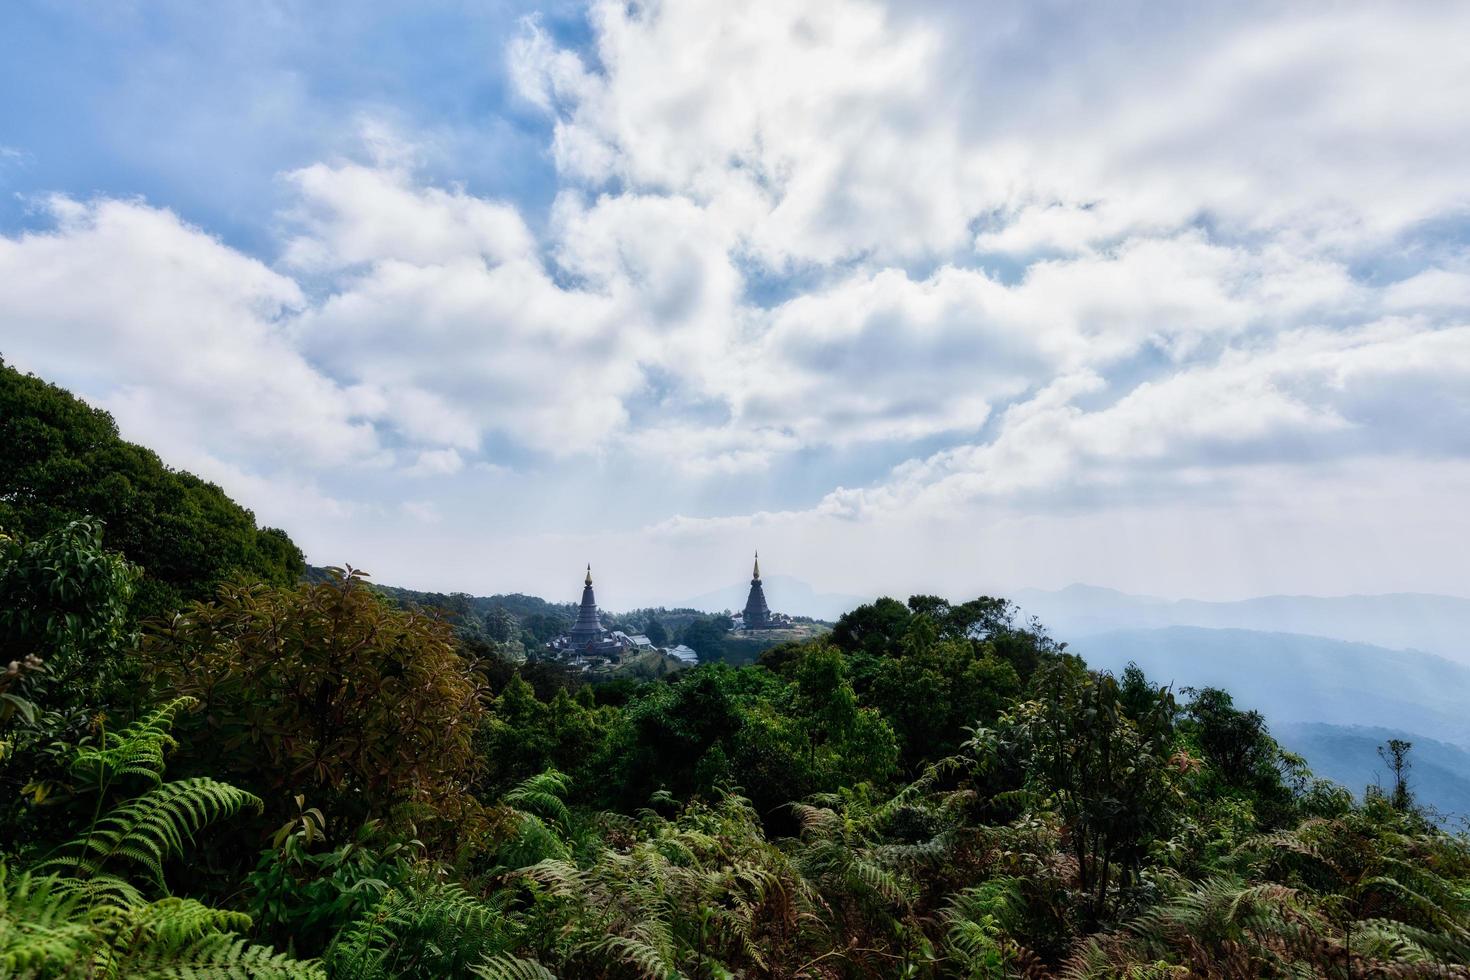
{"x":589,"y":573}
{"x":757,"y":564}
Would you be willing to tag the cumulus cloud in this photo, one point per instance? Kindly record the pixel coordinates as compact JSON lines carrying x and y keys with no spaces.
{"x":354,"y":214}
{"x":182,"y":337}
{"x":886,"y":263}
{"x":793,"y":125}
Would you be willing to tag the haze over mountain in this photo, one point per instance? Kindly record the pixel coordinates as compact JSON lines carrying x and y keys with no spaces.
{"x":1333,"y":688}
{"x":1348,"y":754}
{"x":1438,"y":624}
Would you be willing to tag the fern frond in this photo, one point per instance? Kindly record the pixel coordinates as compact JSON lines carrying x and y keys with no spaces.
{"x":922,"y":855}
{"x":817,"y":820}
{"x":880,"y":880}
{"x":137,"y":750}
{"x":650,"y":958}
{"x":183,"y":920}
{"x":561,"y":878}
{"x":149,"y":829}
{"x":1398,"y":941}
{"x":542,"y":795}
{"x":43,"y":925}
{"x":214,"y":956}
{"x":507,"y":967}
{"x":54,"y":926}
{"x":429,"y":931}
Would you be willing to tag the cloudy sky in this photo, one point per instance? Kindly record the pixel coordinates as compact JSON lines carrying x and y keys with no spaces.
{"x":942,"y":296}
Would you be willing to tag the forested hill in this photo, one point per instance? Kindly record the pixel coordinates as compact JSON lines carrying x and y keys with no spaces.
{"x":300,"y":779}
{"x":516,"y":626}
{"x":461,"y":603}
{"x":62,"y":460}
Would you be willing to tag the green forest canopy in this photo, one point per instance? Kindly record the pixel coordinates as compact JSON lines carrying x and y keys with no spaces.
{"x":62,"y":460}
{"x":308,"y":779}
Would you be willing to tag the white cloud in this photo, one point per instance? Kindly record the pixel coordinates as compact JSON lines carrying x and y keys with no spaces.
{"x":794,"y":125}
{"x":436,"y":462}
{"x":179,"y":335}
{"x":1023,"y":264}
{"x":839,"y":129}
{"x":354,"y":214}
{"x":1388,"y":390}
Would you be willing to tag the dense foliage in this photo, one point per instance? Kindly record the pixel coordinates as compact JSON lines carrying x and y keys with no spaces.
{"x":316,"y":780}
{"x":62,"y":460}
{"x":328,"y":692}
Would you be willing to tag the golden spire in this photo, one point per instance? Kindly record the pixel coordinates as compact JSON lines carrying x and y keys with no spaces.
{"x":757,"y":564}
{"x":589,"y":573}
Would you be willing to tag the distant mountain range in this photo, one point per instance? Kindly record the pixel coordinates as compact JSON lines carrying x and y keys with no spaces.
{"x":1437,"y":624}
{"x":1440,"y":776}
{"x":1292,"y":678}
{"x":1434,"y":623}
{"x":784,"y":594}
{"x":1331,"y":701}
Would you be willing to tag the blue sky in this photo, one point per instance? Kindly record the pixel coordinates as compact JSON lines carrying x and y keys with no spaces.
{"x":201,"y":106}
{"x":933,"y":296}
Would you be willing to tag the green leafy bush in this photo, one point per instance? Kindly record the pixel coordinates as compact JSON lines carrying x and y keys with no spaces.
{"x":327,"y":691}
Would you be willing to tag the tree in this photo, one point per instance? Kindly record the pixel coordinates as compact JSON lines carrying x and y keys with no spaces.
{"x":66,"y":632}
{"x":656,"y":633}
{"x":541,"y":628}
{"x":65,"y":599}
{"x":1104,"y":774}
{"x":328,"y":691}
{"x":932,"y":686}
{"x":1244,"y":760}
{"x":975,"y":619}
{"x":848,"y":744}
{"x":874,"y":628}
{"x":706,"y":637}
{"x":522,"y":735}
{"x":62,"y":460}
{"x":1396,"y":755}
{"x":501,"y":625}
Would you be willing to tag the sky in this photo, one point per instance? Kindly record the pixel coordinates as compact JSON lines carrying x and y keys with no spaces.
{"x":948,"y":297}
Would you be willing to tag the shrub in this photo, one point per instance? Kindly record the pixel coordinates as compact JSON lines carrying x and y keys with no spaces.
{"x":328,"y":692}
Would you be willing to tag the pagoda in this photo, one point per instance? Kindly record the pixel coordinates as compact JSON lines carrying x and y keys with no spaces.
{"x":757,"y":614}
{"x":588,"y":628}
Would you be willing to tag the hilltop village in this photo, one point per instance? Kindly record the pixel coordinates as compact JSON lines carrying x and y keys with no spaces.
{"x":592,"y":647}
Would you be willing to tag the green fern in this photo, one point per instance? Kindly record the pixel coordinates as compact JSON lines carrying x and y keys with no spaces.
{"x":137,"y":750}
{"x":216,"y":957}
{"x":149,"y":829}
{"x":429,"y":931}
{"x":51,"y":926}
{"x":650,"y":951}
{"x":43,"y":925}
{"x":978,"y":920}
{"x":703,"y":894}
{"x":542,"y":795}
{"x":507,"y":967}
{"x":73,"y":915}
